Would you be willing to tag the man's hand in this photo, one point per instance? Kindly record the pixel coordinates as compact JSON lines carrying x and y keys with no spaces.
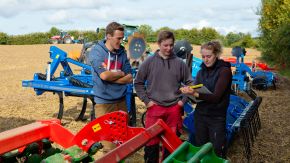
{"x":125,"y":80}
{"x":112,"y":75}
{"x":120,"y":73}
{"x":151,"y":103}
{"x":180,"y":103}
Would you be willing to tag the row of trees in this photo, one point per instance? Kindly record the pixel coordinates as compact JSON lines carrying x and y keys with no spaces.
{"x":193,"y":35}
{"x":197,"y":37}
{"x":275,"y":32}
{"x":43,"y":37}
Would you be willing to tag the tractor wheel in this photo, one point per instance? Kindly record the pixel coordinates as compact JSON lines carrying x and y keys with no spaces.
{"x":53,"y":41}
{"x":67,"y":40}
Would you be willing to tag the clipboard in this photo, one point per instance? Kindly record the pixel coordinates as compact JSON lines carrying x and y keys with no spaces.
{"x":200,"y":88}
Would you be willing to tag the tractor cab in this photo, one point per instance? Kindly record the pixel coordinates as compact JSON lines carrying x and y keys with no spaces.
{"x":129,"y":30}
{"x":63,"y":34}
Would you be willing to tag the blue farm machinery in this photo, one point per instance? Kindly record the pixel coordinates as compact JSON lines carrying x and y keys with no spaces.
{"x":69,"y":83}
{"x":261,"y":79}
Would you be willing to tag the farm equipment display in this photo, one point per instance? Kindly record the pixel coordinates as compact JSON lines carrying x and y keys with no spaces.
{"x":70,"y":84}
{"x":64,"y":38}
{"x":242,"y":117}
{"x":253,"y":65}
{"x":37,"y":142}
{"x":261,"y":80}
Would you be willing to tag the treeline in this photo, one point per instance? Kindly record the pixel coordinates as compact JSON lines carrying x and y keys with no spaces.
{"x":198,"y":37}
{"x":195,"y":36}
{"x":275,"y":32}
{"x":43,"y":37}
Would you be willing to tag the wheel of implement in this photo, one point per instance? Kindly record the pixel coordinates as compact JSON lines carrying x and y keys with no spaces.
{"x":137,"y":46}
{"x":183,"y":48}
{"x":260,"y":83}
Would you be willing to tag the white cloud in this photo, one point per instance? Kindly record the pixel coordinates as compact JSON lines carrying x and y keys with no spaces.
{"x":223,"y":15}
{"x":9,"y":8}
{"x":199,"y":25}
{"x":60,"y":17}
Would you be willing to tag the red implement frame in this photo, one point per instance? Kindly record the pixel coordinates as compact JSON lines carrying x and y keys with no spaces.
{"x":169,"y":140}
{"x":111,"y":127}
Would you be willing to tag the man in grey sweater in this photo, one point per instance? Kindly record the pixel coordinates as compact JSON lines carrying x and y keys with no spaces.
{"x":157,"y":84}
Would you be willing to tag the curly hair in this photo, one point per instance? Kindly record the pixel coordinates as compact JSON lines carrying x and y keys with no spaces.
{"x":215,"y":46}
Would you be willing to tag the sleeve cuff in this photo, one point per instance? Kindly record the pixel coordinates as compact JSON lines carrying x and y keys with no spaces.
{"x":184,"y":99}
{"x":146,"y":101}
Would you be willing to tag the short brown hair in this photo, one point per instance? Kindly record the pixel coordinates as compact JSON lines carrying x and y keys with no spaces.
{"x":164,"y":35}
{"x":112,"y":27}
{"x":215,"y":46}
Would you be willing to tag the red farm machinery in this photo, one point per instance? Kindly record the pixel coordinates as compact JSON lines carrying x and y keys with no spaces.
{"x":41,"y":141}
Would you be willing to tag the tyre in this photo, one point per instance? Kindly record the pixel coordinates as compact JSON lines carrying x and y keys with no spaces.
{"x":260,"y":83}
{"x":53,"y":41}
{"x":67,"y":40}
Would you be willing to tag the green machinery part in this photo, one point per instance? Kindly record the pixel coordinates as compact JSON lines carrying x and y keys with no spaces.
{"x":191,"y":154}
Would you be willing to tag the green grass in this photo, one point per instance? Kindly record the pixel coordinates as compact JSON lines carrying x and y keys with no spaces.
{"x":285,"y":72}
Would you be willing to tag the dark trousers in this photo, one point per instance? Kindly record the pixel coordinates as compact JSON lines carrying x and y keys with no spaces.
{"x":211,"y":129}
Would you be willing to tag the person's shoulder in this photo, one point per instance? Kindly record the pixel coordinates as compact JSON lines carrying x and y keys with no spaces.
{"x":149,"y":59}
{"x":95,"y":47}
{"x":226,"y":70}
{"x":223,"y":63}
{"x":145,"y":64}
{"x":179,"y":62}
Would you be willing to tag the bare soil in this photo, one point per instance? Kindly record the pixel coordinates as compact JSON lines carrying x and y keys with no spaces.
{"x":20,"y":106}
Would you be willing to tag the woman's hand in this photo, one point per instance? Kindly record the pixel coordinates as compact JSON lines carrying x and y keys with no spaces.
{"x":187,"y":90}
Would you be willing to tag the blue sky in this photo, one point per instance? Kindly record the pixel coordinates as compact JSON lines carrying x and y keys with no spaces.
{"x":26,"y":16}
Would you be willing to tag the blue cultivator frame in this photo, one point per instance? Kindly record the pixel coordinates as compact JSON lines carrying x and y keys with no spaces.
{"x":260,"y":79}
{"x":70,"y":84}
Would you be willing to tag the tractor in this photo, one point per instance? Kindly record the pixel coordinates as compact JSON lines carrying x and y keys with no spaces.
{"x":62,"y":38}
{"x":133,"y":42}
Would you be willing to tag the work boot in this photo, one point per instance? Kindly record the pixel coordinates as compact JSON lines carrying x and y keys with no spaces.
{"x":151,"y":154}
